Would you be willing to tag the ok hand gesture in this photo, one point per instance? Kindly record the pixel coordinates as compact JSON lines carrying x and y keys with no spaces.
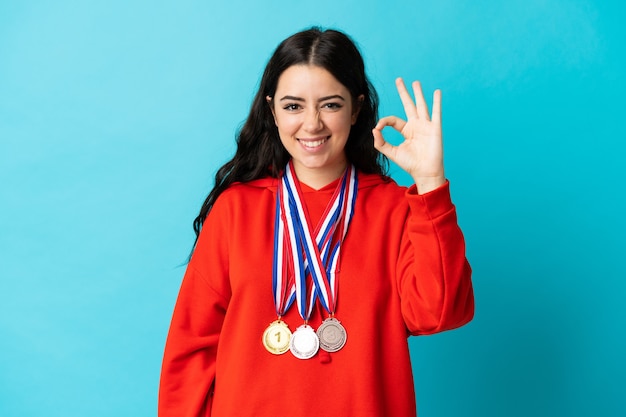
{"x":421,"y":152}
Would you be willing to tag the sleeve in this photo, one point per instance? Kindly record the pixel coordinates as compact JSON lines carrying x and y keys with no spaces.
{"x":434,"y":275}
{"x":189,"y":360}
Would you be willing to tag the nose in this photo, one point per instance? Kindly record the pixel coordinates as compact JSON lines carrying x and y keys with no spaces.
{"x":312,"y":120}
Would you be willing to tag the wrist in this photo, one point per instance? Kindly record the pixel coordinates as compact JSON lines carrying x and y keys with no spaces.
{"x":427,"y":184}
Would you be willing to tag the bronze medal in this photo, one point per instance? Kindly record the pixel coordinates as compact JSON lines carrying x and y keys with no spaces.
{"x":332,"y":335}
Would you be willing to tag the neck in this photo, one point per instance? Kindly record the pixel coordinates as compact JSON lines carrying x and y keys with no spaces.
{"x":317,"y":178}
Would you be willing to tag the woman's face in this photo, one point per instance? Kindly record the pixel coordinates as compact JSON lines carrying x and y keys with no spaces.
{"x":314,"y":113}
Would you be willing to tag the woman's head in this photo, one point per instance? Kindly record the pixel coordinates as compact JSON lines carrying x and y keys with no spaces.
{"x":336,"y":53}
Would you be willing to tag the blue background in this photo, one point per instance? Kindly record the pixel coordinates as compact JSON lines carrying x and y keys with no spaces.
{"x":115,"y":115}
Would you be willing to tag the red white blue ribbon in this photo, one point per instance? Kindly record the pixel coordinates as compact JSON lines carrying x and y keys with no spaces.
{"x":282,"y":275}
{"x":317,"y":259}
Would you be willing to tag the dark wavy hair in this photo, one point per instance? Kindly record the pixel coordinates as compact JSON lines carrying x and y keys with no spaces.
{"x":260,"y":152}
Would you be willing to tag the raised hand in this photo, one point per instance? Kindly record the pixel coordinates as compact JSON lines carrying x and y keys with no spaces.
{"x":421,"y":152}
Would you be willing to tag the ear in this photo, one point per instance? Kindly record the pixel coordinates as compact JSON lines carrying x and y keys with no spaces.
{"x":358,"y":103}
{"x":270,"y":102}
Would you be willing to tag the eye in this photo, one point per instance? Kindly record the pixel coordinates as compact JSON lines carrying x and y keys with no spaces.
{"x":292,"y":107}
{"x":332,"y":106}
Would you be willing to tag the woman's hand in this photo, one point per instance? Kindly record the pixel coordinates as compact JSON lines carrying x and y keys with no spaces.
{"x":421,"y":153}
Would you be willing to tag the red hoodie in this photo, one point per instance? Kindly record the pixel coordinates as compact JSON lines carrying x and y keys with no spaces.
{"x":403,"y":272}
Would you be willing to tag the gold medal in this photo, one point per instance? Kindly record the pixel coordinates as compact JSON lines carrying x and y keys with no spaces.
{"x":332,"y":335}
{"x":276,"y":337}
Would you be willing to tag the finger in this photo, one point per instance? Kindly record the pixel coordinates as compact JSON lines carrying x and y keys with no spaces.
{"x":382,"y":145}
{"x":420,"y":103}
{"x":407,"y":101}
{"x":437,"y":107}
{"x":391,"y":121}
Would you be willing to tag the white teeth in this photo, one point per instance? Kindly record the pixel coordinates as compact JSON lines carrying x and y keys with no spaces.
{"x":313,"y":143}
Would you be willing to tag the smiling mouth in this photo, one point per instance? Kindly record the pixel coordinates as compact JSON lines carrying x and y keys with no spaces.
{"x":307,"y":143}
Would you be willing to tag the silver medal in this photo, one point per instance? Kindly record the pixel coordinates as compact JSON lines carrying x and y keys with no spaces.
{"x":332,"y":335}
{"x":304,"y":343}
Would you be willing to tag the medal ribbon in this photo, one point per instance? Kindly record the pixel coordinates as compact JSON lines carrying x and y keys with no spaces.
{"x":322,"y":256}
{"x":298,"y":258}
{"x":282,"y":281}
{"x":333,"y":269}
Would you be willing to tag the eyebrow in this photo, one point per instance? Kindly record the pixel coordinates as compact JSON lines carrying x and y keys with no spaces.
{"x":294,"y":98}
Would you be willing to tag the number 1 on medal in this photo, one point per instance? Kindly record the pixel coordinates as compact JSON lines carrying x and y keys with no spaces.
{"x":276,"y":337}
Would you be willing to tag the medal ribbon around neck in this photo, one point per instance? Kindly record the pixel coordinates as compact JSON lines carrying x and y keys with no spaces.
{"x":323,"y":269}
{"x":282,"y":281}
{"x":348,"y":212}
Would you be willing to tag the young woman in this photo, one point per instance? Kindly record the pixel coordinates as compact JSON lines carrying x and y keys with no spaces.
{"x":311,"y":267}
